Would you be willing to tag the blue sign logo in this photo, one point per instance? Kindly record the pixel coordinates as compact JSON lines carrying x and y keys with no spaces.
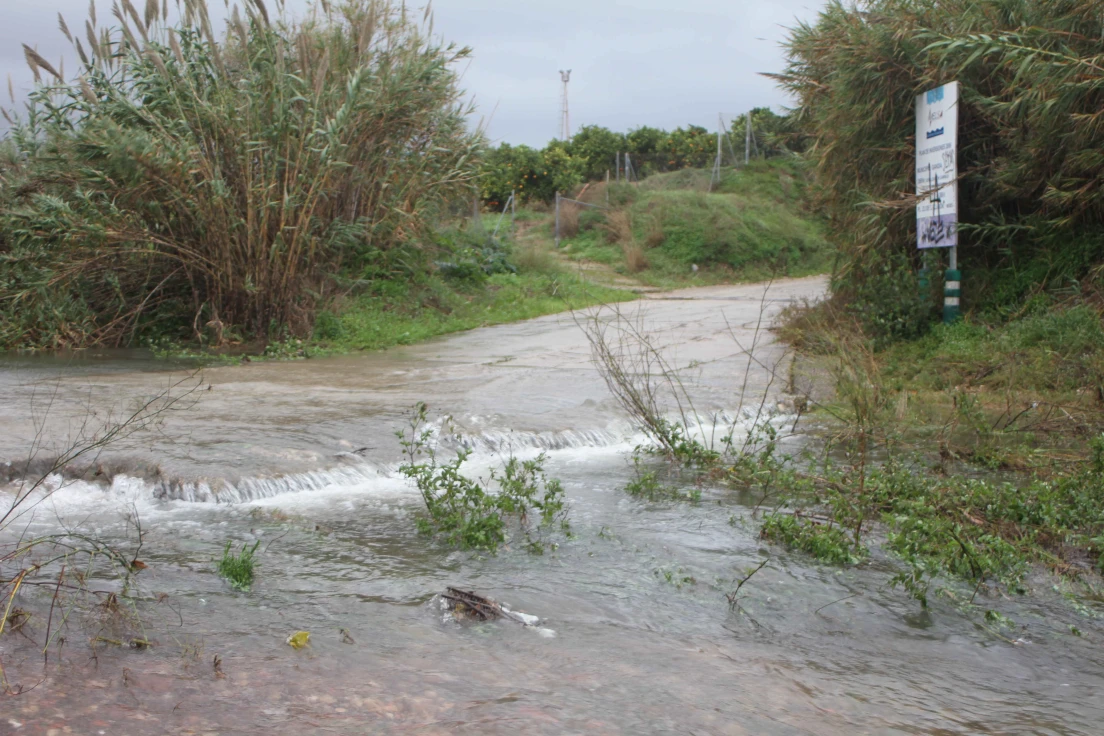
{"x":935,"y":95}
{"x":935,"y":133}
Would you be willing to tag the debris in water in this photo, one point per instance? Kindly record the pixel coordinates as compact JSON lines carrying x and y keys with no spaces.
{"x":299,"y":639}
{"x":464,"y":604}
{"x":470,"y":605}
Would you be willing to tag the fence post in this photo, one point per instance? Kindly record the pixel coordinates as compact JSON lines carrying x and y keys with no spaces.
{"x":513,"y":212}
{"x":607,"y":187}
{"x":618,"y":166}
{"x":498,"y":224}
{"x":747,"y":141}
{"x":557,"y":219}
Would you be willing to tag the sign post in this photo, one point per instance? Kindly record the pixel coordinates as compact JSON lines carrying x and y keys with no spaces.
{"x":937,"y":184}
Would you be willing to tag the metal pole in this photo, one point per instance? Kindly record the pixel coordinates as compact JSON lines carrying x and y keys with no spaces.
{"x":607,"y":186}
{"x":498,"y":224}
{"x":747,"y":140}
{"x":618,"y":167}
{"x":513,"y":211}
{"x":565,"y":123}
{"x":728,"y":141}
{"x":557,"y":219}
{"x":952,"y":290}
{"x":717,"y":162}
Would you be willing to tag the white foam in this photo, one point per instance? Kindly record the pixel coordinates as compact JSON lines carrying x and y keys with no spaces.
{"x":363,"y":479}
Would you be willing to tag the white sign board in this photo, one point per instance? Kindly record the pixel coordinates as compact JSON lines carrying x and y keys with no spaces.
{"x":937,"y":167}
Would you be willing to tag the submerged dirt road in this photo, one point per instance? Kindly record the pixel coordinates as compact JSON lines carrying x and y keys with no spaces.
{"x":636,"y":634}
{"x":264,"y":419}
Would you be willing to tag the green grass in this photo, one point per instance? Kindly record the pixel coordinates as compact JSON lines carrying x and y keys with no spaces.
{"x":439,"y":307}
{"x":753,"y":227}
{"x":237,"y":569}
{"x":1051,"y":350}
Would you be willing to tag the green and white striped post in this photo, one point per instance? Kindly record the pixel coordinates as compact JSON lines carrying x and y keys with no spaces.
{"x":952,"y":291}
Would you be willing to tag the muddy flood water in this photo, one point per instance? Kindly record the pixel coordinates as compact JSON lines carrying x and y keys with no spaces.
{"x":635,"y":636}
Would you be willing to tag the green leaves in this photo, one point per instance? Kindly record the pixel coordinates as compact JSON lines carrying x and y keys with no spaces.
{"x":237,"y":569}
{"x":825,"y":542}
{"x":1031,"y":137}
{"x":465,"y":512}
{"x":237,"y":168}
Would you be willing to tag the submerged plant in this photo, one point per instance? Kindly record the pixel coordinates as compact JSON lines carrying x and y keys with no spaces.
{"x":469,"y":513}
{"x":825,"y":542}
{"x":647,"y":485}
{"x":237,"y":569}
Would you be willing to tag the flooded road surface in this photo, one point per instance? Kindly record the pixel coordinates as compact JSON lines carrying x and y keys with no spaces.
{"x":636,"y":635}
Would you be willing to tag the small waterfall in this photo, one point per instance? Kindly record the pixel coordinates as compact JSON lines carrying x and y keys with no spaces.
{"x":493,"y":441}
{"x":486,"y":446}
{"x":245,"y":490}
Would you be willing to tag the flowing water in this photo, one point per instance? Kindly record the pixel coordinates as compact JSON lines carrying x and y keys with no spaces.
{"x":636,"y":635}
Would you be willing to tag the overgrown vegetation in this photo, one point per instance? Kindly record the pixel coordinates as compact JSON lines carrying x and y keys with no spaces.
{"x":944,"y":412}
{"x":1030,"y":162}
{"x":237,"y":568}
{"x":893,"y":465}
{"x":675,"y":227}
{"x":208,"y":189}
{"x":468,"y":513}
{"x":917,"y":417}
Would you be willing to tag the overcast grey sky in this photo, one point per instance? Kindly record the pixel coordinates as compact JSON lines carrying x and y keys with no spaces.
{"x":634,"y":62}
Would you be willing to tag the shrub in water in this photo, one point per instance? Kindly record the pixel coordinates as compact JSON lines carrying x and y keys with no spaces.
{"x":466,"y":512}
{"x":238,"y":568}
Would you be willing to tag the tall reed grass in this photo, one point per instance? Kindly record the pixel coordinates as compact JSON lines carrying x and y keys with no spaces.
{"x":204,"y":186}
{"x":1031,"y":159}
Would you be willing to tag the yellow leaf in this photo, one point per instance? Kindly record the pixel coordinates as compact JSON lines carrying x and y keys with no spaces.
{"x":299,"y":639}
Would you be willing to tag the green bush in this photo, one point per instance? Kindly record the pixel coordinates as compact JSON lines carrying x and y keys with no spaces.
{"x":534,"y":175}
{"x":238,"y":569}
{"x":183,"y":180}
{"x":469,"y":255}
{"x":466,"y":512}
{"x":1031,"y":172}
{"x":825,"y":542}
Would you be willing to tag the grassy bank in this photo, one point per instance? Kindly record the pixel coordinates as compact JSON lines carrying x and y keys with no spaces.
{"x":671,"y":230}
{"x":969,"y":453}
{"x":439,"y":307}
{"x":974,"y":453}
{"x":486,"y":281}
{"x":193,"y":187}
{"x":967,"y":465}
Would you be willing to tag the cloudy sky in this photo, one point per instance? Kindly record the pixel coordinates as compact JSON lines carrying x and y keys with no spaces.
{"x":633,"y":62}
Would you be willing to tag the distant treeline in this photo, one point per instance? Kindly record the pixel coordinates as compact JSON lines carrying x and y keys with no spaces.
{"x":1031,"y":159}
{"x":536,"y":175}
